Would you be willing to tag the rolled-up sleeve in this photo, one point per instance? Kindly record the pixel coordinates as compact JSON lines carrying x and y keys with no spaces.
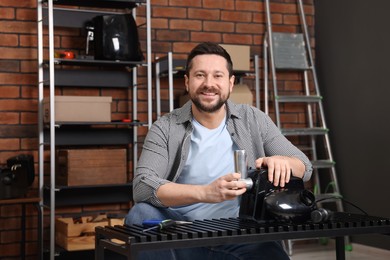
{"x":152,"y":166}
{"x":275,"y":143}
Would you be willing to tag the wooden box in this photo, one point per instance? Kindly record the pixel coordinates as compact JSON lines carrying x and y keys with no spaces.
{"x":79,"y":109}
{"x":80,"y":235}
{"x":240,"y":55}
{"x":91,"y":167}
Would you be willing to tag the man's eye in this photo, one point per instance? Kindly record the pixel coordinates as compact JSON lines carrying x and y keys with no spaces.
{"x":199,"y":75}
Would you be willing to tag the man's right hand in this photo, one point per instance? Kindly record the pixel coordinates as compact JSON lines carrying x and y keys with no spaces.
{"x":227,"y":187}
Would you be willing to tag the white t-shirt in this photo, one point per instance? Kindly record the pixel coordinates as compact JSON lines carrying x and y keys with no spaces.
{"x":211,"y":156}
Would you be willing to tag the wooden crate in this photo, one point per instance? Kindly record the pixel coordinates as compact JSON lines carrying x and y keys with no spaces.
{"x":80,"y":235}
{"x":91,"y":167}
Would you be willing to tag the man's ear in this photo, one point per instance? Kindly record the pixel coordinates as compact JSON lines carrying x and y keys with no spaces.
{"x":232,"y":79}
{"x":186,"y":79}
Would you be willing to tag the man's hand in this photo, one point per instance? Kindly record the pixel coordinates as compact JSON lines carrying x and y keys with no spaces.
{"x":227,"y":187}
{"x":280,"y":168}
{"x":224,"y":188}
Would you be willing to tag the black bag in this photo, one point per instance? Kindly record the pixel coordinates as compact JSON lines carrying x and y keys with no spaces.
{"x":17,"y":176}
{"x":116,"y":38}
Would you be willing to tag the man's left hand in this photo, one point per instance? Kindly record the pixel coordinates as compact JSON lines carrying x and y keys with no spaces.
{"x":279,"y":168}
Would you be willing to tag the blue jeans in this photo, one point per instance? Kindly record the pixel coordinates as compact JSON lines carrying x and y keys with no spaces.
{"x":261,"y":251}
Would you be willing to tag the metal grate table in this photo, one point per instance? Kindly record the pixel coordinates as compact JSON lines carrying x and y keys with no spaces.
{"x":129,"y":240}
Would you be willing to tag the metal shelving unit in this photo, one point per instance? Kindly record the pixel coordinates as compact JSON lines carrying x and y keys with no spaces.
{"x":119,"y":74}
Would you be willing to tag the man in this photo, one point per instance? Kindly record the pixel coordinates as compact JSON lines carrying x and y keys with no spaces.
{"x":186,"y":169}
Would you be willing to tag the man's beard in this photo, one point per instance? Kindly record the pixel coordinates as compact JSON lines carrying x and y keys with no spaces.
{"x":208,"y":108}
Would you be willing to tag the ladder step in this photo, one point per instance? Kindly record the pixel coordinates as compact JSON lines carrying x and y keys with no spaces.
{"x":319,"y":164}
{"x":303,"y":99}
{"x":305,"y":148}
{"x":305,"y":131}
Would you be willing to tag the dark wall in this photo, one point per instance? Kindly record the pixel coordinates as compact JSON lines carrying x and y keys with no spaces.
{"x":353,"y":64}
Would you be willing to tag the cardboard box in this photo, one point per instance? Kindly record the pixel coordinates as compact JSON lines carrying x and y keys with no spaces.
{"x":240,"y":55}
{"x":79,"y":109}
{"x":241,"y":94}
{"x":91,"y":167}
{"x":80,"y":235}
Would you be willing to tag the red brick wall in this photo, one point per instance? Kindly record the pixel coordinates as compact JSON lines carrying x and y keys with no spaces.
{"x":18,"y":111}
{"x":177,"y":26}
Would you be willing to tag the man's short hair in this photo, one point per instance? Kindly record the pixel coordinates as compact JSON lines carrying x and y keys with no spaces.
{"x":209,"y":48}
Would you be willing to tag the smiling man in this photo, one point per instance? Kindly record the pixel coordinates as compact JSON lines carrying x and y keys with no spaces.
{"x":186,"y":169}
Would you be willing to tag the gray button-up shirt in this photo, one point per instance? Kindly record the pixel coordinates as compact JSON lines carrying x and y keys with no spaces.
{"x":167,"y":144}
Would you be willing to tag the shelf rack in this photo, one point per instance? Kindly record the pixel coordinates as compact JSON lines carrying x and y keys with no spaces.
{"x":51,"y":13}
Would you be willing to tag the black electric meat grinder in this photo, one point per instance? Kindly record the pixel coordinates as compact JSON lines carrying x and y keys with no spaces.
{"x":264,"y":202}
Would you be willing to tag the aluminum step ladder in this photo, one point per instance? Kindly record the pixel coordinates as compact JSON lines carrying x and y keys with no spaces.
{"x":290,"y":54}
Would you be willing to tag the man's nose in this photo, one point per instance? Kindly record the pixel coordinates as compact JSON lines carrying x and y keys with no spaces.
{"x":208,"y":81}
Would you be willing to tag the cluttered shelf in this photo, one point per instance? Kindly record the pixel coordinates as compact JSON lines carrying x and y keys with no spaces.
{"x":89,"y":137}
